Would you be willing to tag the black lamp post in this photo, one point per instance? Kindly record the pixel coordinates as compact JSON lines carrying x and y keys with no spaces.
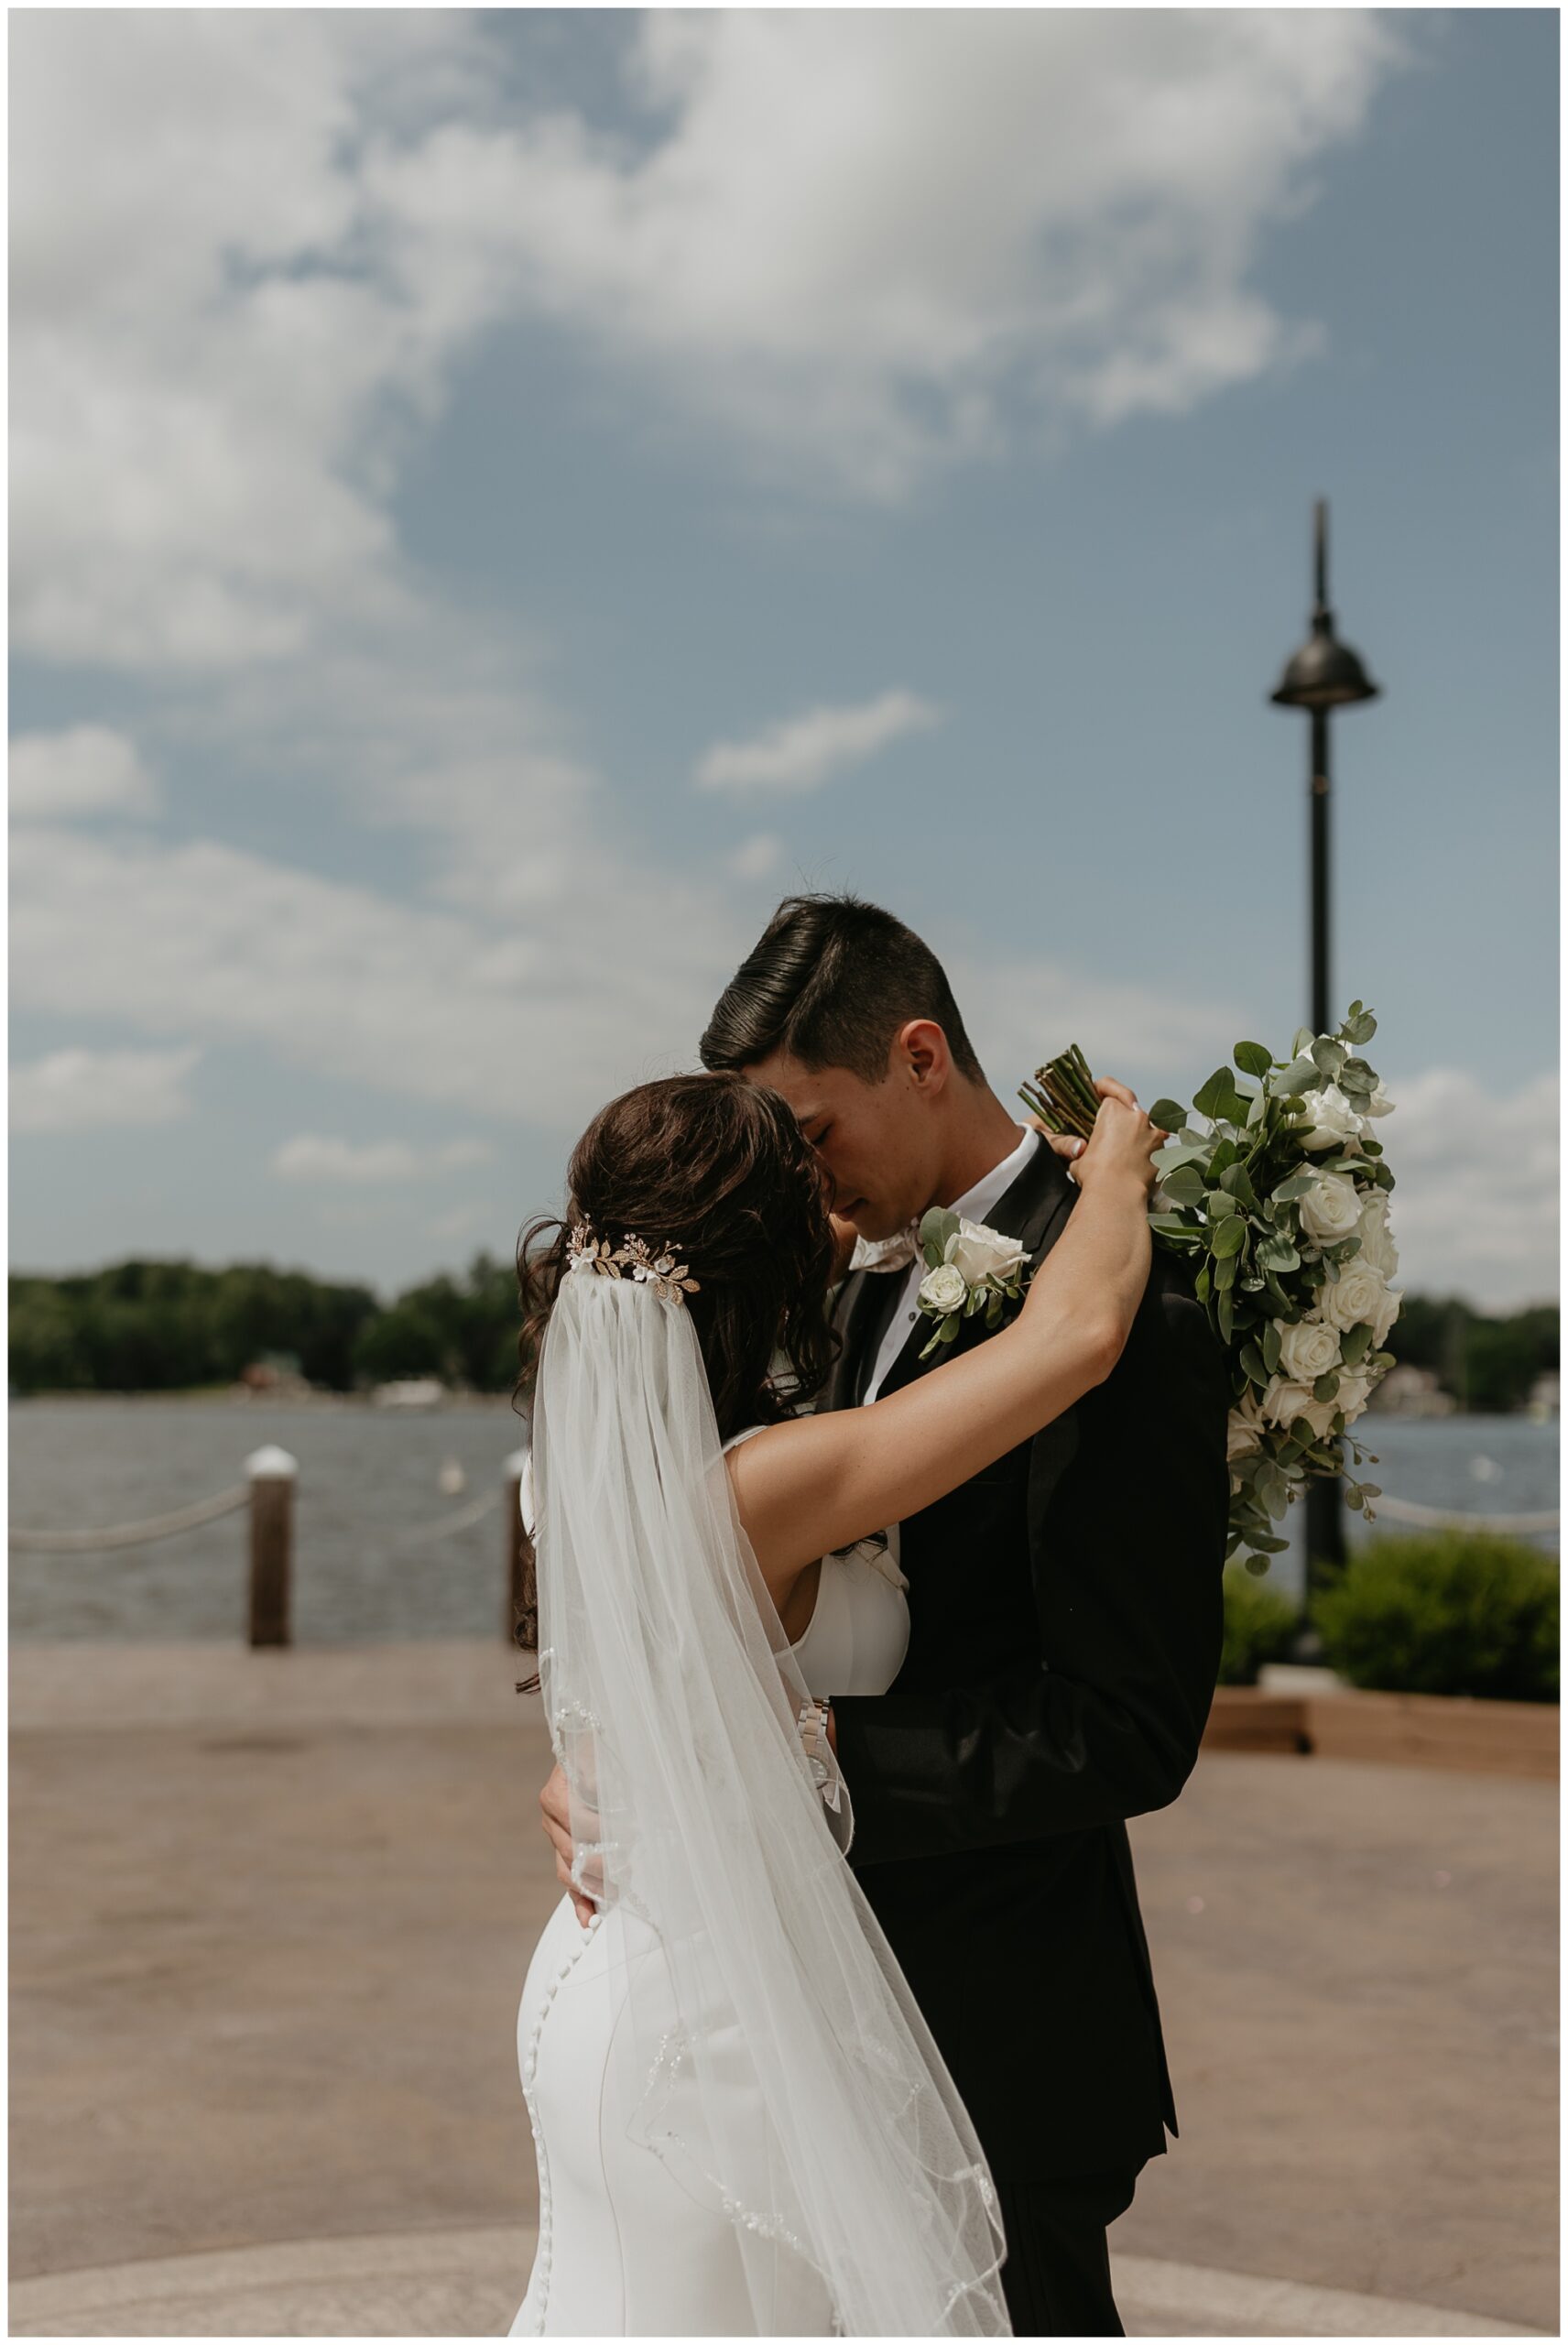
{"x":1325,"y":674}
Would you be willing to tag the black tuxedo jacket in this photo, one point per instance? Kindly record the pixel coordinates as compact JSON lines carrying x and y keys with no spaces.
{"x":1066,"y":1616}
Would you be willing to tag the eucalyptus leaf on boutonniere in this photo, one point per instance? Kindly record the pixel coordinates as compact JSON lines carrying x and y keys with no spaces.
{"x":969,"y":1269}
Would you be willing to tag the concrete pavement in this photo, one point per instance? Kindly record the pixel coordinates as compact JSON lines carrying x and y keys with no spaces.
{"x":271,"y":1913}
{"x":463,"y":2283}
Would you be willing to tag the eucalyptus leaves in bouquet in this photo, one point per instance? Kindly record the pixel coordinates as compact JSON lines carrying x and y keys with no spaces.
{"x":1280,"y":1195}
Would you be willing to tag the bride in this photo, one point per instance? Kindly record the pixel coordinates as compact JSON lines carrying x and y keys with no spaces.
{"x":741,"y":2122}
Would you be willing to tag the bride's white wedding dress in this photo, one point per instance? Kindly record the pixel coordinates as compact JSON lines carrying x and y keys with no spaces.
{"x":628,"y":2247}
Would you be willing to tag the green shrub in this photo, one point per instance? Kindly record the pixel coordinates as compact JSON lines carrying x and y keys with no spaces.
{"x":1259,"y":1625}
{"x":1448,"y":1612}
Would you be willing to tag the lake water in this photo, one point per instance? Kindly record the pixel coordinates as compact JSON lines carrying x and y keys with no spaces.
{"x":368,"y":1564}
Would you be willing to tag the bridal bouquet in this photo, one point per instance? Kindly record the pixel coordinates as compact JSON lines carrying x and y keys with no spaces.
{"x":1281,"y":1196}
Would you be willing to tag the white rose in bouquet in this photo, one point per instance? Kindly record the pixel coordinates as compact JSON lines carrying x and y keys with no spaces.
{"x":1353,"y":1295}
{"x":979,"y":1253}
{"x":1308,"y":1350}
{"x":1355,"y":1390}
{"x":1336,"y":1122}
{"x":1359,"y":1296}
{"x":1383,"y":1325}
{"x":1285,"y":1400}
{"x":1378,"y":1249}
{"x":1331,"y":1209}
{"x":944,"y":1288}
{"x":1244,"y":1429}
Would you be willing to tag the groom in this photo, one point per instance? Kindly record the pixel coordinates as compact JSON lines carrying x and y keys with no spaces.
{"x":1065,"y":1610}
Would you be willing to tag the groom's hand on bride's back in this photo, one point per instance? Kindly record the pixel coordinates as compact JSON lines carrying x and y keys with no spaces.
{"x":555,"y":1807}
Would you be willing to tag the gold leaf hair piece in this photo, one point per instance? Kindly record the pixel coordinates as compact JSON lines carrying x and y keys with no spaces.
{"x":669,"y":1279}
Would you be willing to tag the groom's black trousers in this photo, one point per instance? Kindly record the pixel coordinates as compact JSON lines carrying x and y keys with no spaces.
{"x":1057,"y":2276}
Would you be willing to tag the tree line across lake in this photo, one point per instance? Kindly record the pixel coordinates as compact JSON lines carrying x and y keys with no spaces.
{"x":166,"y":1327}
{"x":173,"y":1327}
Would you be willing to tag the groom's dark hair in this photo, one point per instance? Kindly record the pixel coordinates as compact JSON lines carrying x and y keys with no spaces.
{"x":831,"y":980}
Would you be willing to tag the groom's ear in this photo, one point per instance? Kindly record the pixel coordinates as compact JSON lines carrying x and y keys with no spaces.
{"x":920,"y":1055}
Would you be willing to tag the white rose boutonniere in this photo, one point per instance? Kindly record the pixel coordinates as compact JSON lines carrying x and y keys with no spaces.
{"x":944,"y":1290}
{"x":969,"y":1268}
{"x":983,"y":1253}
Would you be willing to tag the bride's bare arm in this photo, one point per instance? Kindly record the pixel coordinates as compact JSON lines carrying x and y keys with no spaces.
{"x":818,"y":1483}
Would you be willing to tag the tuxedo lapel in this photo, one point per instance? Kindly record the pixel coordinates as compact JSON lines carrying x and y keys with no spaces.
{"x":1035,"y":1211}
{"x":859,"y":1315}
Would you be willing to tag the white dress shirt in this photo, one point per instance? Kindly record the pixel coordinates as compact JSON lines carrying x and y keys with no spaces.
{"x":973,"y":1205}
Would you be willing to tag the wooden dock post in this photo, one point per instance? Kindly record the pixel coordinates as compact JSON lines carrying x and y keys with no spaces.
{"x":272,"y":1473}
{"x":521,"y":1605}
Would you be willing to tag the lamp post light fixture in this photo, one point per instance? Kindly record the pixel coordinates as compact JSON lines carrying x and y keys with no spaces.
{"x":1323,"y":675}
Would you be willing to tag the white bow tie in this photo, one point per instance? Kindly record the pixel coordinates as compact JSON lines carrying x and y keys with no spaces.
{"x":895,"y":1253}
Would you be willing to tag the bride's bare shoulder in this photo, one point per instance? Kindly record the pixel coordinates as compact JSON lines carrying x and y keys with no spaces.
{"x":764,"y":1462}
{"x":758,"y":1445}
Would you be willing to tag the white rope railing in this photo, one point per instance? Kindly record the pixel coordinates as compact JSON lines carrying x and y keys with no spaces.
{"x":268,"y":1491}
{"x":190,"y":1518}
{"x":449,"y":1525}
{"x":132,"y":1534}
{"x":1438,"y":1517}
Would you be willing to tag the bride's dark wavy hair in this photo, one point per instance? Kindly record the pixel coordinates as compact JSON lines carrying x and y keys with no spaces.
{"x":717,"y":1168}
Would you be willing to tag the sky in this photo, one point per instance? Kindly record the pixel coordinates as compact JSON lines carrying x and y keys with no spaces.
{"x":500,"y":498}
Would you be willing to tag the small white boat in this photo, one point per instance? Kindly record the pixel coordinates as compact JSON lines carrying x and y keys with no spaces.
{"x":409,"y":1392}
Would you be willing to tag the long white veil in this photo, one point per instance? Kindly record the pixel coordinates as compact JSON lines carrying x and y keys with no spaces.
{"x":783,"y":2063}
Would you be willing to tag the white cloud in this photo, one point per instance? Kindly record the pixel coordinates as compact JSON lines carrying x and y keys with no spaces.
{"x":1019,"y":1012}
{"x":757,"y":856}
{"x":250,"y":246}
{"x":867,"y":243}
{"x":1476,"y":1208}
{"x":309,"y":1156}
{"x":82,"y":1090}
{"x":802,"y":752}
{"x":463,"y":1221}
{"x":213,"y":398}
{"x":85,"y":770}
{"x":869,"y":240}
{"x":213,"y":358}
{"x":608,"y":983}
